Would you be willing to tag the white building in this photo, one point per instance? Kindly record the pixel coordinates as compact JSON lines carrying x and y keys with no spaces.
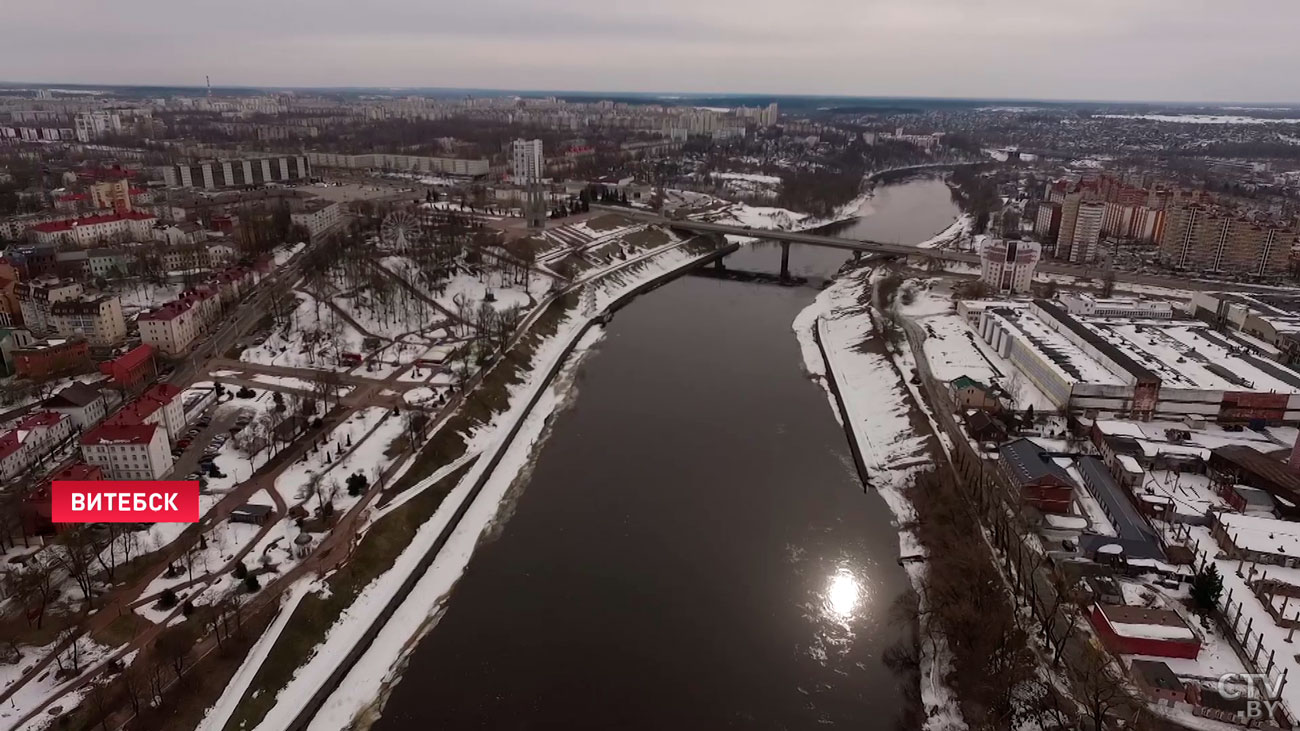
{"x":31,"y":439}
{"x":526,"y":160}
{"x":1087,"y":232}
{"x":82,"y":403}
{"x":97,"y":320}
{"x":91,"y":230}
{"x":1083,"y":303}
{"x":160,"y":405}
{"x":91,"y":126}
{"x":318,"y":216}
{"x":128,"y":451}
{"x":37,"y":296}
{"x":1008,"y":266}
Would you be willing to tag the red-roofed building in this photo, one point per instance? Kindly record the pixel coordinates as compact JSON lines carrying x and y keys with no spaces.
{"x":128,"y":451}
{"x":90,"y":230}
{"x":1128,"y":630}
{"x":133,"y":368}
{"x":159,"y":404}
{"x":34,"y":437}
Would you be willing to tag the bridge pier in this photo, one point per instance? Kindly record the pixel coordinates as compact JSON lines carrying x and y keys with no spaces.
{"x":785,"y":261}
{"x":718,"y":264}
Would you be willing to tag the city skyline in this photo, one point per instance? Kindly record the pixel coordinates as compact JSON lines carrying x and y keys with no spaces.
{"x":1159,"y":52}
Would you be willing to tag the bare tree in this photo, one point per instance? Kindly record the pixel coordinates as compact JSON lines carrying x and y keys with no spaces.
{"x":32,"y":586}
{"x":76,"y":555}
{"x":173,"y":646}
{"x":1098,"y":687}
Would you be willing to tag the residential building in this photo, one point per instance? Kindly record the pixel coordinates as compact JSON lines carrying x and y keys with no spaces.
{"x":12,"y":338}
{"x":1205,"y":239}
{"x":159,"y":404}
{"x":1008,"y":266}
{"x":242,"y":172}
{"x":1085,"y":242}
{"x":80,"y":402}
{"x":526,"y":161}
{"x":132,"y":369}
{"x":318,"y":216}
{"x":11,"y":311}
{"x":47,"y":358}
{"x":31,"y":440}
{"x":91,"y":126}
{"x":98,"y":320}
{"x":35,"y":298}
{"x":1047,"y":226}
{"x":128,"y":451}
{"x":112,"y":194}
{"x":92,"y":230}
{"x":453,"y":166}
{"x":968,"y":393}
{"x":171,"y":328}
{"x":1069,"y":216}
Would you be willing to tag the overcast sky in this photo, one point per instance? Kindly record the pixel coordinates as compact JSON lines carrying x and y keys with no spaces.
{"x":1167,"y":50}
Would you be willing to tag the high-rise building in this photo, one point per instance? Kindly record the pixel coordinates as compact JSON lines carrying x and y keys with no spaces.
{"x":1048,"y":224}
{"x":1204,"y":239}
{"x":526,"y":160}
{"x":1087,"y":232}
{"x":1008,"y":266}
{"x":1069,"y":214}
{"x":91,"y":126}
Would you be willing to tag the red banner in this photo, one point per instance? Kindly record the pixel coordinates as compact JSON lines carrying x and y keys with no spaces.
{"x":124,"y":501}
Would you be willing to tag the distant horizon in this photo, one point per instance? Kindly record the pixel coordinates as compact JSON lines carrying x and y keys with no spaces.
{"x":665,"y":95}
{"x":1152,"y":52}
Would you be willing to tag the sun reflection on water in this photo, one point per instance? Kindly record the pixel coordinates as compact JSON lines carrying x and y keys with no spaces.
{"x":843,"y":595}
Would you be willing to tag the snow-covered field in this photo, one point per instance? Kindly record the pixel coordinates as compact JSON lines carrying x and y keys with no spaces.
{"x":1201,"y":118}
{"x":314,"y":338}
{"x":367,"y":457}
{"x":36,"y":691}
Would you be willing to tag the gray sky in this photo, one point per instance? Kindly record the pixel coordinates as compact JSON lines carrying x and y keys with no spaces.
{"x":1188,"y":50}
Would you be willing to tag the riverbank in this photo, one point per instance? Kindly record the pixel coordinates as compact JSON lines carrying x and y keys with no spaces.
{"x":891,"y":438}
{"x":357,"y":650}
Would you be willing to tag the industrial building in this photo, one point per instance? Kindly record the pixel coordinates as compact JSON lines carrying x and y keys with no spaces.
{"x":1140,"y":369}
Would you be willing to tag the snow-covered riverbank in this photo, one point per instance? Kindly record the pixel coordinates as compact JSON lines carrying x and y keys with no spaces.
{"x":839,"y":325}
{"x":506,"y":447}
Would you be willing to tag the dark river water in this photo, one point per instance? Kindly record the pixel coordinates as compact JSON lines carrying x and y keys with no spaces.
{"x":693,"y":548}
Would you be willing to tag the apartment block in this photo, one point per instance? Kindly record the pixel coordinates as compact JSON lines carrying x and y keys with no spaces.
{"x":128,"y":451}
{"x":1206,"y":239}
{"x":97,"y":320}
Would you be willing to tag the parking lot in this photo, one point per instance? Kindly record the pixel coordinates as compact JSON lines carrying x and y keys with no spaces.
{"x":200,"y":440}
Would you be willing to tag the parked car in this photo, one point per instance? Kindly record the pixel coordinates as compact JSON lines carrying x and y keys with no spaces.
{"x":184,"y":443}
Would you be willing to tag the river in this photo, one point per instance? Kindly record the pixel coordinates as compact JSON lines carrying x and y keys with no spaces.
{"x":693,"y":547}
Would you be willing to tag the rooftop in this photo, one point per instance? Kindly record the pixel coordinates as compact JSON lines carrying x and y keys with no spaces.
{"x":1157,"y":675}
{"x":107,"y":433}
{"x":1262,"y":534}
{"x":76,"y":395}
{"x":69,"y":224}
{"x":1141,"y":622}
{"x":1026,"y":461}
